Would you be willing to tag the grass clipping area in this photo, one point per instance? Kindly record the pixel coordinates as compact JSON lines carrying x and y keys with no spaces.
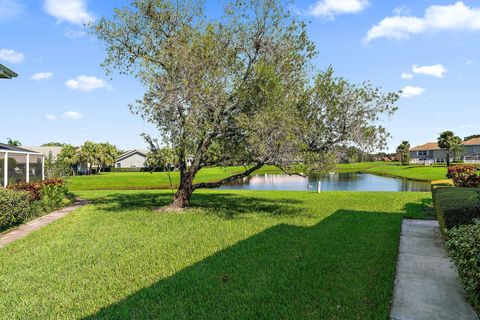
{"x":234,"y":255}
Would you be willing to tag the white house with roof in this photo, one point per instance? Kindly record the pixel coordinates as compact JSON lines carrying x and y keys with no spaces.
{"x":135,"y":158}
{"x":430,"y":153}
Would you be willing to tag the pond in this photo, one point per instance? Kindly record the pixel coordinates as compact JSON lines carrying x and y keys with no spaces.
{"x":329,"y":182}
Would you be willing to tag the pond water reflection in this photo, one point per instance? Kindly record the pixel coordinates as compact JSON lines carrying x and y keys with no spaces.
{"x":329,"y":182}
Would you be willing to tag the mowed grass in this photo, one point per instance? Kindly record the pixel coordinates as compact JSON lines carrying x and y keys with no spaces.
{"x":423,"y":173}
{"x":152,"y":180}
{"x":235,"y":255}
{"x":160,"y":180}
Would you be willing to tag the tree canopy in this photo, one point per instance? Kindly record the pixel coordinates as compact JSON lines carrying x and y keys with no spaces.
{"x":238,"y":89}
{"x":451,"y":143}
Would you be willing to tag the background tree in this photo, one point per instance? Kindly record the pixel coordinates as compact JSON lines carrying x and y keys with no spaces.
{"x":56,"y":169}
{"x":88,"y":155}
{"x":403,"y":151}
{"x":54,"y":144}
{"x":236,"y":89}
{"x":69,"y":156}
{"x":106,"y":155}
{"x":449,"y":142}
{"x":471,"y":137}
{"x":13,"y":143}
{"x":162,"y":158}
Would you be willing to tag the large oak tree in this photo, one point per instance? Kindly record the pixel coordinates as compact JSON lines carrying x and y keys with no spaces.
{"x":238,"y":89}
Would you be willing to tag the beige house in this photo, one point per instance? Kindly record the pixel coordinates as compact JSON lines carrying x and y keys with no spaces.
{"x":430,"y":153}
{"x":135,"y":158}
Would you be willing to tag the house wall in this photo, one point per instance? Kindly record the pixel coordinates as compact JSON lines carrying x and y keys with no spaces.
{"x":134,"y":161}
{"x":471,"y":149}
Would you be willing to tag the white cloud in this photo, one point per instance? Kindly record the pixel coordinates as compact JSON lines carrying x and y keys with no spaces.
{"x":406,"y":76}
{"x":469,"y":62}
{"x":12,"y":56}
{"x":330,"y":8}
{"x":73,"y":11}
{"x":50,"y":117}
{"x":436,"y":70}
{"x":10,"y":8}
{"x":409,"y":91}
{"x":74,"y":115}
{"x":41,"y":76}
{"x":437,"y":18}
{"x":86,"y":83}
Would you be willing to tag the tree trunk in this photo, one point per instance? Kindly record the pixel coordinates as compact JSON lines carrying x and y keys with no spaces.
{"x":448,"y":159}
{"x":183,"y":194}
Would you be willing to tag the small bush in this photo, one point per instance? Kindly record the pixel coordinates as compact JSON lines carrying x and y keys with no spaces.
{"x":464,"y":249}
{"x":32,"y":188}
{"x":26,"y":200}
{"x":464,"y":176}
{"x":456,"y":206}
{"x":15,"y":207}
{"x":55,"y":196}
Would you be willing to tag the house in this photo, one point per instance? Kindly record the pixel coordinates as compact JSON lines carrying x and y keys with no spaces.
{"x":47,"y":151}
{"x":18,"y":165}
{"x":6,"y":73}
{"x":430,"y":153}
{"x":427,"y":153}
{"x":135,"y":158}
{"x":472,"y":150}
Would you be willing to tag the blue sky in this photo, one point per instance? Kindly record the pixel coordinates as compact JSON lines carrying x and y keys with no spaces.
{"x":430,"y":48}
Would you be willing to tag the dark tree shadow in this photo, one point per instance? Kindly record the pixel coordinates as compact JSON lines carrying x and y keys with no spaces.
{"x":341,"y":268}
{"x":226,"y":205}
{"x":422,"y":210}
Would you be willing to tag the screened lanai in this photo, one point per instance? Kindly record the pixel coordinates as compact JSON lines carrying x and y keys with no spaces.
{"x":19,"y":165}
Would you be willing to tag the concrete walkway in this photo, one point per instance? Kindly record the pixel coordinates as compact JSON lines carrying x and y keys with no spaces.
{"x":36,"y":224}
{"x":426,"y":284}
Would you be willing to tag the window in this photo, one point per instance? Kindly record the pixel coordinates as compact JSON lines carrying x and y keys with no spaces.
{"x":119,"y":164}
{"x":423,"y":153}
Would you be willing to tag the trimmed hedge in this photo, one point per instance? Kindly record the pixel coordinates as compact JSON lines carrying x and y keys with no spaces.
{"x":464,"y":249}
{"x":456,"y":206}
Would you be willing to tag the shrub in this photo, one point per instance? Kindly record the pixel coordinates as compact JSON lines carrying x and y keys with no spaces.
{"x":35,"y":188}
{"x":464,"y":249}
{"x":15,"y":207}
{"x":464,"y":175}
{"x":32,"y":188}
{"x":456,"y":206}
{"x":55,"y":196}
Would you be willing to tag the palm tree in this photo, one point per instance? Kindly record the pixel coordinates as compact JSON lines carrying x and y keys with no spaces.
{"x":451,"y":143}
{"x":13,"y":143}
{"x":403,"y":151}
{"x":106,"y":155}
{"x":69,"y":155}
{"x":88,"y":155}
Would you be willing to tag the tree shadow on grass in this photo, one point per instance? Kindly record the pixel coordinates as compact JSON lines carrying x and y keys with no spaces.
{"x":341,"y":268}
{"x":226,"y":205}
{"x":422,"y":210}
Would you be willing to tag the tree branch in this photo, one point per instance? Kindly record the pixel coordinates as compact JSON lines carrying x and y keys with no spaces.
{"x":229,"y":179}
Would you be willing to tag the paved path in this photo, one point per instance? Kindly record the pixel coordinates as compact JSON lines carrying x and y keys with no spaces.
{"x":426,"y":284}
{"x":36,"y":224}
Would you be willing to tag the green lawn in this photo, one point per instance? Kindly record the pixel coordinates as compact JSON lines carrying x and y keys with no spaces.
{"x":236,"y":255}
{"x":160,"y":180}
{"x":151,"y":180}
{"x":394,"y":169}
{"x":424,"y":173}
